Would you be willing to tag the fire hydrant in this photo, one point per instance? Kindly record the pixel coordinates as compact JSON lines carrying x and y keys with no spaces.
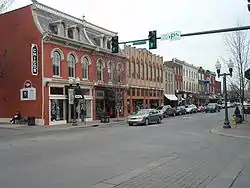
{"x":234,"y":122}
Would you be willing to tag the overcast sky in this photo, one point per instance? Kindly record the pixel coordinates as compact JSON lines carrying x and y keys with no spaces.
{"x":132,"y":19}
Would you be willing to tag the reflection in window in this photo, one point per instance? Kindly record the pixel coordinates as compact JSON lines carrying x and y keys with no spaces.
{"x":85,"y":68}
{"x":99,"y":70}
{"x":56,"y":60}
{"x":71,"y":65}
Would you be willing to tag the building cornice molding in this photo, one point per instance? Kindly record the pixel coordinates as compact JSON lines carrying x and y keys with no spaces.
{"x":83,"y":22}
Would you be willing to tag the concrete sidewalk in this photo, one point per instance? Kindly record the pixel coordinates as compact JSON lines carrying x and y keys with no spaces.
{"x":97,"y":123}
{"x":238,"y":131}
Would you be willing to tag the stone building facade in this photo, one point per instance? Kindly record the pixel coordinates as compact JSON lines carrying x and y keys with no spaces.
{"x":144,"y":79}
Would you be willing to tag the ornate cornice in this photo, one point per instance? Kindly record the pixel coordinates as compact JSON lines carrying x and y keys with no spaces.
{"x":72,"y":18}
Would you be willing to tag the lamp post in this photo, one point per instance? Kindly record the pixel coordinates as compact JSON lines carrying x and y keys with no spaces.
{"x":74,"y":83}
{"x":230,"y":67}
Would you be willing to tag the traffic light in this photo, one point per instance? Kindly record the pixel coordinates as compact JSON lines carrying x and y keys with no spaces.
{"x":248,"y":5}
{"x":152,"y":38}
{"x":115,"y":44}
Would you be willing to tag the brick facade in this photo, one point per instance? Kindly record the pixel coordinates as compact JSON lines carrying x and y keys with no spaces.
{"x":19,"y":30}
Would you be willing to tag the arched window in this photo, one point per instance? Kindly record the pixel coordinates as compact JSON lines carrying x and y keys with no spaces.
{"x":99,"y":70}
{"x":56,"y":61}
{"x":72,"y":65}
{"x":110,"y":72}
{"x":119,"y":72}
{"x":85,"y":68}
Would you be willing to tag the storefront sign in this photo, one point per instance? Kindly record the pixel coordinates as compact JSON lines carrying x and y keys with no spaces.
{"x":34,"y":59}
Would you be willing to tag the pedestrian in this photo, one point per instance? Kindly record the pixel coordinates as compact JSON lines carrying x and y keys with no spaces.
{"x":238,"y":115}
{"x":82,"y":112}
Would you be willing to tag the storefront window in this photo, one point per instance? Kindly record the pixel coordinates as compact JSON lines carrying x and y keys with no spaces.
{"x":88,"y":108}
{"x":56,"y":91}
{"x":57,"y":107}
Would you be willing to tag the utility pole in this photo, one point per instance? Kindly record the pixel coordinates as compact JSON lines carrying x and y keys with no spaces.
{"x":197,"y":33}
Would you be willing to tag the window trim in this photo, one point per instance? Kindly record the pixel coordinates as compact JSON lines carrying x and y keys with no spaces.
{"x":89,"y":63}
{"x":76,"y":59}
{"x":103,"y":66}
{"x":61,"y":54}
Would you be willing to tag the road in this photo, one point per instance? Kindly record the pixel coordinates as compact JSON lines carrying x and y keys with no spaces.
{"x":180,"y":152}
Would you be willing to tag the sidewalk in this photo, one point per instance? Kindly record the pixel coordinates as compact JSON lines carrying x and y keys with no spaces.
{"x":239,"y":131}
{"x":64,"y":126}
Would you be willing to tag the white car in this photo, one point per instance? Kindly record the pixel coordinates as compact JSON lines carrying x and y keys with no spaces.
{"x":191,"y":109}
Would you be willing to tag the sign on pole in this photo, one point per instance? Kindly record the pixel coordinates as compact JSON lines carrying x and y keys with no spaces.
{"x":176,"y":35}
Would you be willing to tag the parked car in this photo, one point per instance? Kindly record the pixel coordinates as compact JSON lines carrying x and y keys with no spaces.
{"x":191,"y":108}
{"x":144,"y":117}
{"x":212,"y":107}
{"x":201,"y":109}
{"x":246,"y":108}
{"x":166,"y":110}
{"x":161,"y":110}
{"x":180,"y":110}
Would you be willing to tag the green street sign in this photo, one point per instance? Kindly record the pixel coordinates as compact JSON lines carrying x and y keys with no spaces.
{"x":176,"y":35}
{"x":139,"y":42}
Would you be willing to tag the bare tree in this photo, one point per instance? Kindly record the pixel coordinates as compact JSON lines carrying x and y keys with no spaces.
{"x":5,"y":4}
{"x":238,"y":49}
{"x":115,"y":76}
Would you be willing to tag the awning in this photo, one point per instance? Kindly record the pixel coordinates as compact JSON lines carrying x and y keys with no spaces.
{"x":171,"y":97}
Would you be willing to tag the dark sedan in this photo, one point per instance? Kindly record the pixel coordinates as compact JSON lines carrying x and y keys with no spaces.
{"x":180,"y":110}
{"x":212,"y":107}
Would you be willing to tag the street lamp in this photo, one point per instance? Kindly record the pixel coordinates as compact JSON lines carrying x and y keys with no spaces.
{"x":73,"y":81}
{"x":230,"y":67}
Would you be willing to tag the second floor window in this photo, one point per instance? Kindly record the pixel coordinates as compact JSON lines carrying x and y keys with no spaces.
{"x":110,"y":72}
{"x":85,"y":68}
{"x":99,"y":70}
{"x":72,"y":65}
{"x":56,"y":60}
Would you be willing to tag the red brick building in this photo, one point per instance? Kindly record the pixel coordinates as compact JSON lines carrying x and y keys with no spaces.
{"x":217,"y":87}
{"x":46,"y":47}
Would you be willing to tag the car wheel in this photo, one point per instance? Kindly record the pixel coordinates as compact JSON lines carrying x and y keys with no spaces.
{"x":146,"y":122}
{"x":130,"y":124}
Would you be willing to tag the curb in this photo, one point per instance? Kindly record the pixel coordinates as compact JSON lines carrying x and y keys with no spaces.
{"x":104,"y":125}
{"x":213,"y":130}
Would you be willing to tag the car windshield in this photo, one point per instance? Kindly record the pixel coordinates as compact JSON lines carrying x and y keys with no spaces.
{"x":211,"y":105}
{"x":190,"y":106}
{"x":159,"y":108}
{"x":179,"y":107}
{"x":142,"y":112}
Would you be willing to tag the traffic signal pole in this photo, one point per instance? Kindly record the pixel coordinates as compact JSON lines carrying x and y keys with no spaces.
{"x":198,"y":33}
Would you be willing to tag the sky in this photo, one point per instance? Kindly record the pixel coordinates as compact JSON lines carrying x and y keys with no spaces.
{"x":133,"y":19}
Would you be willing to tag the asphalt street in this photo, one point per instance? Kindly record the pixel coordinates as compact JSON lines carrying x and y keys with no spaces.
{"x":180,"y":152}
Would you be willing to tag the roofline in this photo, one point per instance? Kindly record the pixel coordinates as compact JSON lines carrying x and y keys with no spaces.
{"x":8,"y":12}
{"x":72,"y":18}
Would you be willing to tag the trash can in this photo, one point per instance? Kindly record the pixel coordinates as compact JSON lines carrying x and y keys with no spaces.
{"x":31,"y":121}
{"x":103,"y":119}
{"x":107,"y":119}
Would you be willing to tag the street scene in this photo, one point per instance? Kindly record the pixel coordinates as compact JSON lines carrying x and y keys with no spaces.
{"x":138,"y":105}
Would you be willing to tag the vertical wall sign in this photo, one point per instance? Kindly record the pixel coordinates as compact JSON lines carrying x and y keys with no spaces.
{"x":34,"y":59}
